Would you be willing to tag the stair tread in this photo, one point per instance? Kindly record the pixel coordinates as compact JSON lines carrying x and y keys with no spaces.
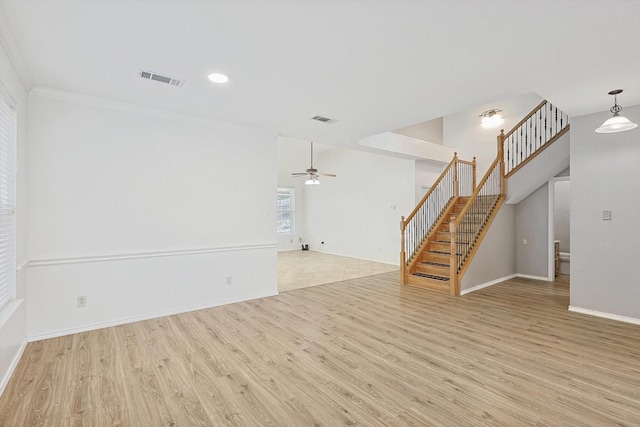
{"x":432,"y":276}
{"x":437,"y":264}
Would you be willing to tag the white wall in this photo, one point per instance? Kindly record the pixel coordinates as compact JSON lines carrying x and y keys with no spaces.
{"x":358,"y":213}
{"x":143,"y":212}
{"x":431,"y":131}
{"x":605,"y":254}
{"x":13,"y":316}
{"x":426,"y":175}
{"x":495,"y":259}
{"x":532,"y":225}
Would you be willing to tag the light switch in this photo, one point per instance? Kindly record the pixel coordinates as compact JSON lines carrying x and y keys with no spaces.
{"x":606,"y":215}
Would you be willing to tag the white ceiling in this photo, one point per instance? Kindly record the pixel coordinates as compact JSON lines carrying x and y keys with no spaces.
{"x":372,"y":65}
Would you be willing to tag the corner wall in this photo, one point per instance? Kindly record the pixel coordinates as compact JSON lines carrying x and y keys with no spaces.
{"x":13,"y":316}
{"x":357,"y":214}
{"x":144,"y":212}
{"x":605,"y":254}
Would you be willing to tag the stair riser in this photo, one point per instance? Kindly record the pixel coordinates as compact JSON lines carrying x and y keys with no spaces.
{"x":440,"y":247}
{"x":441,"y":259}
{"x":433,"y":269}
{"x":435,"y":285}
{"x":443,"y":236}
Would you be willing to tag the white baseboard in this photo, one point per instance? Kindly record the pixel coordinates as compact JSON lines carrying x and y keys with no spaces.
{"x":12,"y":367}
{"x":486,"y":284}
{"x":124,"y":321}
{"x":528,"y":276}
{"x":604,"y":315}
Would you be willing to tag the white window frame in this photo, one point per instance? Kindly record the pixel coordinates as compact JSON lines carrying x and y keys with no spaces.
{"x":291,"y":192}
{"x":8,"y":170}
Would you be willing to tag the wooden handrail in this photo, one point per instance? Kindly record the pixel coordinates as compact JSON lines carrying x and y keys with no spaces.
{"x":433,"y":187}
{"x":527,"y":117}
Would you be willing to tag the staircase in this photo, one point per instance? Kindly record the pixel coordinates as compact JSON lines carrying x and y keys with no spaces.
{"x":432,"y":267}
{"x":440,"y":237}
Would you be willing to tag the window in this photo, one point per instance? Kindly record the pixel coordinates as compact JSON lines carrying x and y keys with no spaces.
{"x":285,"y":211}
{"x":7,"y":200}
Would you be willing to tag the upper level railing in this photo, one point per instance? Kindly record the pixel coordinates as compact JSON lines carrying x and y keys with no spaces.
{"x":535,"y":132}
{"x":458,"y":179}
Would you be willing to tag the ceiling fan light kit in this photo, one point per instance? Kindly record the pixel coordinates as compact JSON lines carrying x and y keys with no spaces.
{"x":617,"y":123}
{"x":312,"y":174}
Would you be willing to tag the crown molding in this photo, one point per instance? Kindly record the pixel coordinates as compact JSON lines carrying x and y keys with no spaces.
{"x":8,"y":42}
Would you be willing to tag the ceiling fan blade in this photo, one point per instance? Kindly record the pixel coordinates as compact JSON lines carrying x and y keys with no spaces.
{"x":328,"y":174}
{"x":299,"y":173}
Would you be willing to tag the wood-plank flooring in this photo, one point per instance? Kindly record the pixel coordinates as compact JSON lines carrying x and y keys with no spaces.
{"x":363,"y":352}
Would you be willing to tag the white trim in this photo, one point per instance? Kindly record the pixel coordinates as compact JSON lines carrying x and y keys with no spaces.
{"x":118,"y":257}
{"x":12,"y":367}
{"x":8,"y":42}
{"x":7,"y":311}
{"x":610,"y":316}
{"x":486,"y":284}
{"x":20,"y":268}
{"x":139,"y":109}
{"x":148,"y":316}
{"x":529,"y":276}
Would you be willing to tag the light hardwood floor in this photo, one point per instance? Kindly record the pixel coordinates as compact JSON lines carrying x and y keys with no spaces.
{"x":362,"y":352}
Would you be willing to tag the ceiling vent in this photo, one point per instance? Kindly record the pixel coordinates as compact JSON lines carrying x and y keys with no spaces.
{"x":323,"y":119}
{"x":150,"y":75}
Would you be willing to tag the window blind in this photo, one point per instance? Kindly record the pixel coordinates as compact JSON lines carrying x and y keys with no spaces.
{"x":284,"y":211}
{"x":7,"y":201}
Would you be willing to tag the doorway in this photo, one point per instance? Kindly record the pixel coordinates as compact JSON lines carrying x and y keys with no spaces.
{"x":559,"y":229}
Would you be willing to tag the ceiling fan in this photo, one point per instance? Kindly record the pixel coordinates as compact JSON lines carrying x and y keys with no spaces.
{"x":312,"y":173}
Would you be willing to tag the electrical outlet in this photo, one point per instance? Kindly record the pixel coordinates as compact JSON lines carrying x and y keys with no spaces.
{"x":82,"y":301}
{"x":606,"y":215}
{"x":229,"y":280}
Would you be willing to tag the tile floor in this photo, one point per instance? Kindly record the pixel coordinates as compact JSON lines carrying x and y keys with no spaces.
{"x":302,"y":269}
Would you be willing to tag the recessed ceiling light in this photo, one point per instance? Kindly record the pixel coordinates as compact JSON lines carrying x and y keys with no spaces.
{"x":218,"y":78}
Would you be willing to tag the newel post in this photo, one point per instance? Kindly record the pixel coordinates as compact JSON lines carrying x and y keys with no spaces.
{"x":474,"y":174}
{"x":403,"y":254}
{"x":455,"y":175}
{"x":453,"y":261}
{"x":503,"y":179}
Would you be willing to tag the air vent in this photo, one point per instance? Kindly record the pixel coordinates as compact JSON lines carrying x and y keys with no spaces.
{"x":323,"y":119}
{"x":150,"y":75}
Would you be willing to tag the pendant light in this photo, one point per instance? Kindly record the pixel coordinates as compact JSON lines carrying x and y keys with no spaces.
{"x":617,"y":123}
